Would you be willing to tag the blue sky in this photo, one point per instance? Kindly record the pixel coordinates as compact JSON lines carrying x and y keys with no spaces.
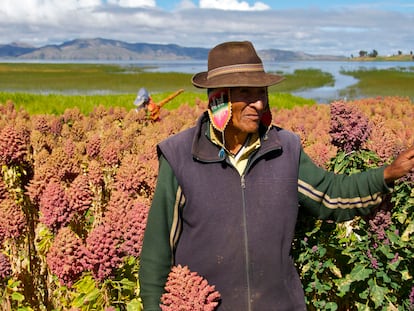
{"x":314,"y":27}
{"x":324,"y":4}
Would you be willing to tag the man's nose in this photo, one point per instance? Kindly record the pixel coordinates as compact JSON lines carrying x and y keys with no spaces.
{"x":258,"y":104}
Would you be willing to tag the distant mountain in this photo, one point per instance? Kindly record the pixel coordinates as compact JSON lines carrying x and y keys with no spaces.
{"x":282,"y":55}
{"x":15,"y":50}
{"x":105,"y":49}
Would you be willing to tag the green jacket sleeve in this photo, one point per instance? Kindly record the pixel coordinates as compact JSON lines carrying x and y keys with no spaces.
{"x":156,"y":255}
{"x":339,"y":197}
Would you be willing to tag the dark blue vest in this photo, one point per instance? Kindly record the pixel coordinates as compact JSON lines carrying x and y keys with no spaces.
{"x":238,"y":230}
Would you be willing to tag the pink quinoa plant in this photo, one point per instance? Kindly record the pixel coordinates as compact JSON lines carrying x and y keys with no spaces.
{"x":95,"y":173}
{"x":67,"y":256}
{"x":12,"y":219}
{"x":380,"y":220}
{"x":41,"y":124}
{"x":128,"y":215}
{"x":187,"y":291}
{"x":93,"y":146}
{"x":5,"y":267}
{"x":58,"y":164}
{"x":69,"y":147}
{"x":3,"y":189}
{"x":373,"y":260}
{"x":110,"y":153}
{"x":13,"y":145}
{"x":384,"y":141}
{"x":55,"y":211}
{"x":98,"y":112}
{"x":79,"y":195}
{"x":8,"y":110}
{"x":350,"y":128}
{"x":104,"y":254}
{"x":72,"y":115}
{"x":119,"y":203}
{"x":133,"y":228}
{"x":136,"y":175}
{"x":56,"y":125}
{"x":119,"y":235}
{"x":42,"y":176}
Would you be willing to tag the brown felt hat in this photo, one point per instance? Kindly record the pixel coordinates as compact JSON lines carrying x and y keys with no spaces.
{"x":234,"y":64}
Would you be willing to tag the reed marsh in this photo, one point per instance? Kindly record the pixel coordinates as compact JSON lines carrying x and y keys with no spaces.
{"x":383,"y":82}
{"x":85,"y":78}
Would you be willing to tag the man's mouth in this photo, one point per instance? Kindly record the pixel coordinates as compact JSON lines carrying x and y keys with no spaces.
{"x":253,"y":117}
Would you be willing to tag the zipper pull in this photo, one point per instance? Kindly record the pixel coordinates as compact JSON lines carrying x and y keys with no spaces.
{"x":242,"y":181}
{"x":222,"y":154}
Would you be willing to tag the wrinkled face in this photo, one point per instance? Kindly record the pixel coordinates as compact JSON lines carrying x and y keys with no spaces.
{"x":248,"y":106}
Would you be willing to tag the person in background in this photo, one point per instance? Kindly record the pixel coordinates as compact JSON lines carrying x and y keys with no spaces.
{"x":144,"y":101}
{"x":152,"y":109}
{"x":229,"y":191}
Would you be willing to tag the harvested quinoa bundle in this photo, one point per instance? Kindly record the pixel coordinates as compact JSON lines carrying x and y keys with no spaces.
{"x":187,"y":291}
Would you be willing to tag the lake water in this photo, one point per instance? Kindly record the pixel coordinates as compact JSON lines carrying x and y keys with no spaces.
{"x":322,"y":94}
{"x":326,"y":93}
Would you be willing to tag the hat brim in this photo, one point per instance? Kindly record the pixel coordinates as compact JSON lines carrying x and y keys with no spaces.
{"x":240,"y":79}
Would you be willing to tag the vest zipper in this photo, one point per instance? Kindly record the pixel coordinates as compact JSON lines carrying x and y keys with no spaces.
{"x":243,"y":183}
{"x":246,"y":244}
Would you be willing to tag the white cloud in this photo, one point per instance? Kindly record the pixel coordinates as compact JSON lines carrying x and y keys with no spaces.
{"x":186,"y":4}
{"x":233,"y":5}
{"x":42,"y":10}
{"x":133,"y":3}
{"x":319,"y":31}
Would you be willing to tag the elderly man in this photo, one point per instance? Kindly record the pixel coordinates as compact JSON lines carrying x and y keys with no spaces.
{"x":229,"y":191}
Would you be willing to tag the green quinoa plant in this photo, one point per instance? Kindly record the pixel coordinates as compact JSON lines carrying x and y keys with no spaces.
{"x":366,"y":263}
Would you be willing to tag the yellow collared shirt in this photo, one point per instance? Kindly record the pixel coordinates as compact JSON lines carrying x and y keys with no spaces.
{"x":239,"y":160}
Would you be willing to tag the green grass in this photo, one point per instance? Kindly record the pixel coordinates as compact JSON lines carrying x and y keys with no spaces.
{"x":58,"y":103}
{"x":302,"y":79}
{"x":86,"y":78}
{"x":384,"y":82}
{"x":398,"y":58}
{"x":104,"y":79}
{"x":52,"y":88}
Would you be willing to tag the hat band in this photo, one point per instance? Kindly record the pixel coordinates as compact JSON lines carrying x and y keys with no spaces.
{"x":235,"y":68}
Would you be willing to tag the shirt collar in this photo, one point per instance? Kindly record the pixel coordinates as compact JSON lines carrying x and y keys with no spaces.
{"x":252,"y":143}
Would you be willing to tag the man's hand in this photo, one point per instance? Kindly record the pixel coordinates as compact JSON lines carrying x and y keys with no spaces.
{"x":401,"y":166}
